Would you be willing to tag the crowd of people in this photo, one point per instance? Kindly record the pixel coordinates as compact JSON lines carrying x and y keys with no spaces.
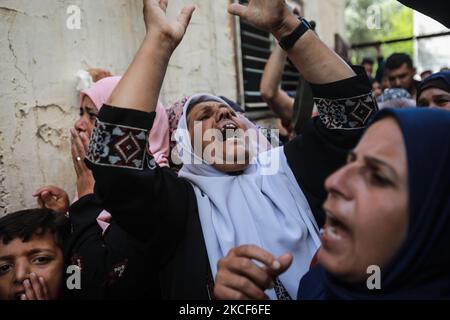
{"x":197,"y":202}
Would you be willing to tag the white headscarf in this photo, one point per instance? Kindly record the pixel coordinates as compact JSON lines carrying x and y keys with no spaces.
{"x":257,"y":207}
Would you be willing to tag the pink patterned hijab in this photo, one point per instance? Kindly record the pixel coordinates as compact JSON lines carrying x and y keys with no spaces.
{"x":99,"y":93}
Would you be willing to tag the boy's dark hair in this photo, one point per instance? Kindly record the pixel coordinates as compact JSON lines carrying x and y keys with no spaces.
{"x":25,"y":224}
{"x":367,"y":61}
{"x":396,"y":60}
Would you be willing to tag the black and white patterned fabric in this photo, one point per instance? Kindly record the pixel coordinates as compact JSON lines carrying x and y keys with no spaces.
{"x":347,"y":114}
{"x":280,"y":290}
{"x":118,"y":146}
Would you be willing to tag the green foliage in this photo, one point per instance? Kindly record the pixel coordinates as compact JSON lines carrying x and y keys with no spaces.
{"x":396,"y":21}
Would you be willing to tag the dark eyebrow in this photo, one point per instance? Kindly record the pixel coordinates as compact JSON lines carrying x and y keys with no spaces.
{"x":6,"y":258}
{"x":38,"y":250}
{"x":441,"y":96}
{"x":381,"y":163}
{"x":374,"y":162}
{"x":29,"y":253}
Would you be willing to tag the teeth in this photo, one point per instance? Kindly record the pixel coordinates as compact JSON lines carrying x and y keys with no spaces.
{"x":332,"y":232}
{"x":322,"y":231}
{"x":230,"y":132}
{"x":229,"y":126}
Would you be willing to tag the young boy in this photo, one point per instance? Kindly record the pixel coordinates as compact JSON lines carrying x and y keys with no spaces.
{"x":31,"y":255}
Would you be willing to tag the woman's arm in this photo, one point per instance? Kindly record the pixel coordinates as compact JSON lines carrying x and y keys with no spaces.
{"x":140,"y":86}
{"x":278,"y":100}
{"x":314,"y":60}
{"x":131,"y":186}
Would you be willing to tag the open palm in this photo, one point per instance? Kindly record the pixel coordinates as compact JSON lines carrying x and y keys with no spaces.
{"x":267,"y":15}
{"x":156,"y":20}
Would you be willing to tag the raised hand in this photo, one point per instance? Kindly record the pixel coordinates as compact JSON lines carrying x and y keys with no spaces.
{"x":140,"y":86}
{"x":85,"y":179}
{"x":156,"y":21}
{"x":239,"y":278}
{"x":268,"y":15}
{"x":52,"y":198}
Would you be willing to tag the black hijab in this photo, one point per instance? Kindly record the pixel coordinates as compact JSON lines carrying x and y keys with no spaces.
{"x":421,"y":267}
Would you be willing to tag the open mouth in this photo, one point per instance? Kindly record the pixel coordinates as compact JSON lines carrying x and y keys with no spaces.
{"x":230,"y":130}
{"x":334,"y":228}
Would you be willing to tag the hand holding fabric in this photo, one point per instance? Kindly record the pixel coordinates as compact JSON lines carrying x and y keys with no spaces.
{"x":240,"y":278}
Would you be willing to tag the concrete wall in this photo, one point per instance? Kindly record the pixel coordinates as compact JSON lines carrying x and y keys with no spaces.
{"x":40,"y":57}
{"x":329,"y":16}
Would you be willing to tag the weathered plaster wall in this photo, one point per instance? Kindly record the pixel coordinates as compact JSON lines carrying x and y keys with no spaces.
{"x":329,"y":16}
{"x":205,"y":60}
{"x":40,"y":57}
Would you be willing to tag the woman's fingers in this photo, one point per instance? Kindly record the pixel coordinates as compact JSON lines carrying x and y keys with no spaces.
{"x":237,"y":10}
{"x":79,"y":148}
{"x":247,"y":268}
{"x":239,"y":277}
{"x":51,"y":189}
{"x":222,"y":292}
{"x":185,"y":16}
{"x":284,"y":262}
{"x":40,"y":203}
{"x":48,"y":199}
{"x":243,"y":285}
{"x":75,"y":152}
{"x":256,"y":253}
{"x":163,"y":4}
{"x":85,"y":142}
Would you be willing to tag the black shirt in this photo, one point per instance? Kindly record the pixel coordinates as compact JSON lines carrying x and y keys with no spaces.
{"x":113,"y":264}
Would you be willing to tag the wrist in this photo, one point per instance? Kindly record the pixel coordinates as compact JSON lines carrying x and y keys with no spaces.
{"x":160,"y":41}
{"x":287,"y":26}
{"x":84,"y":191}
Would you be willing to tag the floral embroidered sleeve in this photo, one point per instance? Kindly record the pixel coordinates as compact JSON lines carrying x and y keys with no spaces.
{"x":345,"y":110}
{"x":148,"y":202}
{"x":346,"y":105}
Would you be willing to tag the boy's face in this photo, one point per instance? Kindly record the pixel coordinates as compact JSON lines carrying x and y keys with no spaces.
{"x":18,"y":260}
